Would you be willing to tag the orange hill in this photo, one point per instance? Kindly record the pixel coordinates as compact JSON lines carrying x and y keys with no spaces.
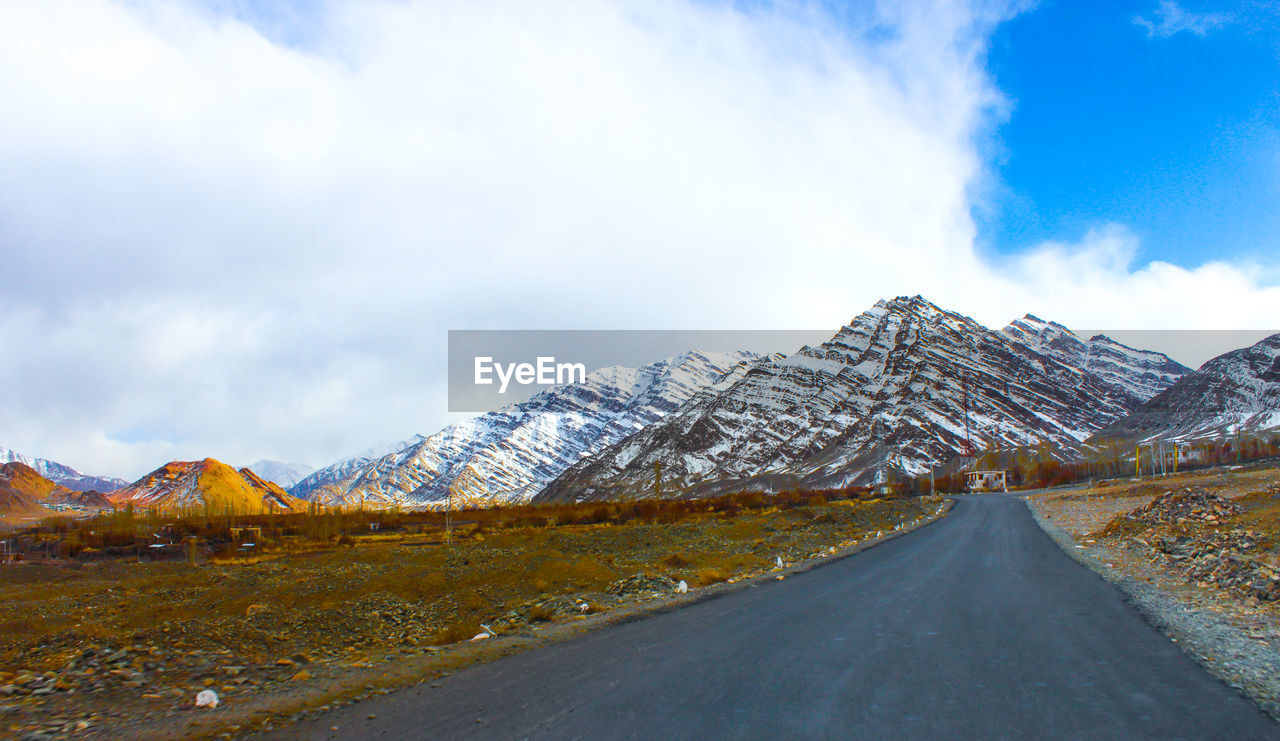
{"x":22,"y":490}
{"x":207,"y":484}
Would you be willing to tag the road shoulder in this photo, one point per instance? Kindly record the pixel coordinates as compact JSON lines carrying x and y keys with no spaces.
{"x":1222,"y":637}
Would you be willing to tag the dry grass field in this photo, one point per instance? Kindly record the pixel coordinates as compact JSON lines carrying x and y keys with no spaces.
{"x":105,"y":646}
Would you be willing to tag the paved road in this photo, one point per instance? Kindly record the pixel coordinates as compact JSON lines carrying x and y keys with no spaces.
{"x":977,"y":626}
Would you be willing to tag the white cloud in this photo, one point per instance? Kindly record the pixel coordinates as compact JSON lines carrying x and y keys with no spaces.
{"x":1171,"y":18}
{"x":1095,"y":284}
{"x":216,"y":244}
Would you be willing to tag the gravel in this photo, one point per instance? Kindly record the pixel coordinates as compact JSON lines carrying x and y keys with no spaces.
{"x":1223,"y":648}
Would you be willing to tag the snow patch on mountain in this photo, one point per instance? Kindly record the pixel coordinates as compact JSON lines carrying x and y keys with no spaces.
{"x":1238,"y":391}
{"x":903,"y":387}
{"x":507,"y":455}
{"x":336,"y":472}
{"x":284,"y":474}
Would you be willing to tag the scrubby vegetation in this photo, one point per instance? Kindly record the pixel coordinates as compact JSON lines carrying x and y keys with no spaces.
{"x":202,"y":534}
{"x":338,"y":591}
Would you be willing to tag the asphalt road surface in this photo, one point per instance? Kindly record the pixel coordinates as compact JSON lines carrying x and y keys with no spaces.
{"x":977,"y":626}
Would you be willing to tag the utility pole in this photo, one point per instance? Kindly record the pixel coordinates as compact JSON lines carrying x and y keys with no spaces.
{"x":1137,"y":461}
{"x":448,"y":518}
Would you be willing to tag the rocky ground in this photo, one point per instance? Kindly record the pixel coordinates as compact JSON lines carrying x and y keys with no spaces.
{"x":1198,"y":553}
{"x":118,"y":648}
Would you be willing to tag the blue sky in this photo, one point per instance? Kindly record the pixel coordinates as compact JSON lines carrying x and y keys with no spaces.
{"x":1172,"y":131}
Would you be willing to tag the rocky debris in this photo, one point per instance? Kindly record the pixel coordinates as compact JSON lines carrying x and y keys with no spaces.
{"x":1220,"y":559}
{"x":1186,"y":530}
{"x":1192,"y":504}
{"x":641,"y":584}
{"x":548,"y":609}
{"x":93,"y":669}
{"x":1270,"y":492}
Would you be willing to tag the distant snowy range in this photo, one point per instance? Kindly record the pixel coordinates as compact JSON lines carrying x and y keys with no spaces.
{"x":62,"y":474}
{"x":904,"y":387}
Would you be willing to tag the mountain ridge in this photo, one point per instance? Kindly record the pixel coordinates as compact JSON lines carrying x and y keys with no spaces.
{"x":286,"y":475}
{"x":902,"y":387}
{"x":206,"y":484}
{"x":1238,"y":390}
{"x":506,"y":455}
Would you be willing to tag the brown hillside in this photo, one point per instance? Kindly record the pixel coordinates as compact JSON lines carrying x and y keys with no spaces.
{"x":204,"y":485}
{"x":22,"y":489}
{"x":272,"y":494}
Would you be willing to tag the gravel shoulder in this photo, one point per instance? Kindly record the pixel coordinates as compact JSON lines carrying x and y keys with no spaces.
{"x":1233,"y":635}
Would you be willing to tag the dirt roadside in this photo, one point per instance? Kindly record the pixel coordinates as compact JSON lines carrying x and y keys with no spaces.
{"x":1195,"y":553}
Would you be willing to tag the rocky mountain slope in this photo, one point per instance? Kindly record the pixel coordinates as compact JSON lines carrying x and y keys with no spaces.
{"x":508,"y":454}
{"x":22,"y":488}
{"x":285,"y":474}
{"x":1141,"y":373}
{"x":1236,"y":391}
{"x":24,"y":491}
{"x":207,"y":483}
{"x":61,"y":474}
{"x":904,"y":386}
{"x":90,"y":500}
{"x":335,"y":473}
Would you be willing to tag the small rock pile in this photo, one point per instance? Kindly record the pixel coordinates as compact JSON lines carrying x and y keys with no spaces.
{"x":1219,"y":559}
{"x":1186,"y":505}
{"x":563,"y":605}
{"x":31,"y":683}
{"x":642,"y":584}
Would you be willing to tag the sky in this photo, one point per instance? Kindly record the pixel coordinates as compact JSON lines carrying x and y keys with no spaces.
{"x":244,"y":229}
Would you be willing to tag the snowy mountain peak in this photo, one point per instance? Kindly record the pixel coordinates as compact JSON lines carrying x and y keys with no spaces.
{"x":1236,"y":391}
{"x":63,"y":474}
{"x":1142,"y":373}
{"x":335,"y":472}
{"x":508,"y":454}
{"x":283,"y":474}
{"x":904,"y":385}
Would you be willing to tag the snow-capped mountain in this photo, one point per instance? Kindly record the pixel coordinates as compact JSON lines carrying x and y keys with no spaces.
{"x":1142,"y":373}
{"x":904,"y":386}
{"x":207,"y":484}
{"x":508,"y":454}
{"x":334,"y":473}
{"x":65,"y":475}
{"x":1236,"y":391}
{"x":284,"y":474}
